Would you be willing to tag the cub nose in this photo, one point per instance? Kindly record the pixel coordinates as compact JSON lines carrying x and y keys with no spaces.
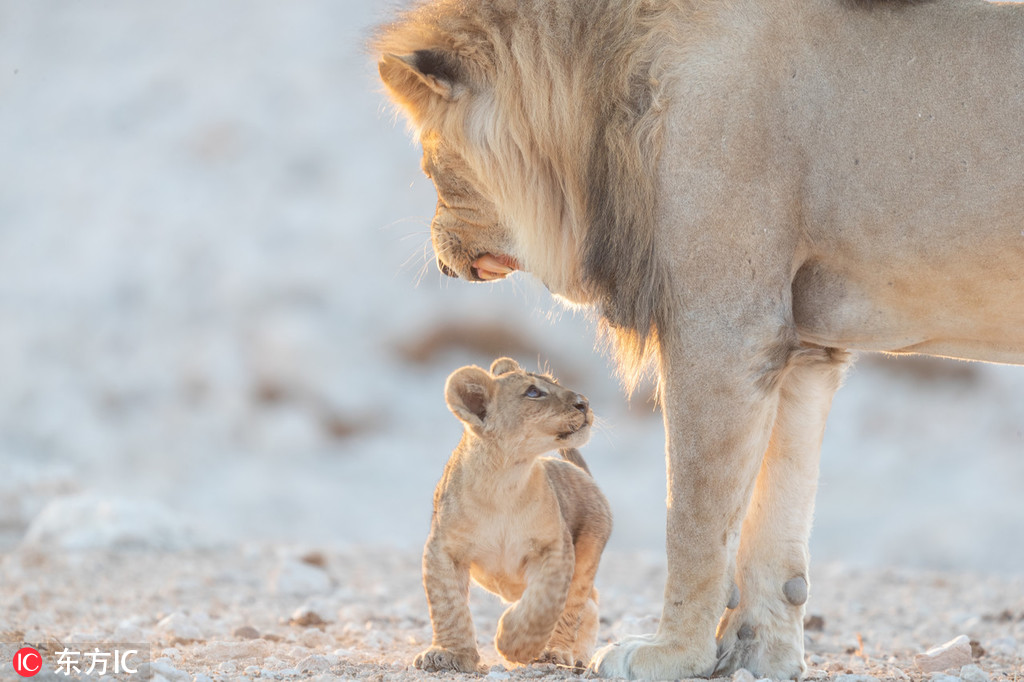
{"x":446,"y":270}
{"x":581,"y":403}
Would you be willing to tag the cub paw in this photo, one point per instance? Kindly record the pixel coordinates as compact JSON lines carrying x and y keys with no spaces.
{"x":437,"y":659}
{"x":644,"y":657}
{"x":562,"y":657}
{"x":515,"y":642}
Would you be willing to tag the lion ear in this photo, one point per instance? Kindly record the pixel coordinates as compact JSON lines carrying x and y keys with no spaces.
{"x":419,"y":78}
{"x":469,"y":392}
{"x":504,"y":366}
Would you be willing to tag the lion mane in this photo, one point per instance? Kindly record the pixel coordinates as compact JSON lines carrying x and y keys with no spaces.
{"x":563,"y":130}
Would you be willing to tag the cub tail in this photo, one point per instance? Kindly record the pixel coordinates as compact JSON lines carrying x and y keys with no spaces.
{"x":573,"y":456}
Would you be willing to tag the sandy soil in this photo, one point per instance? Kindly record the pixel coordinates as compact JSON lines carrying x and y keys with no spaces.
{"x":270,"y":613}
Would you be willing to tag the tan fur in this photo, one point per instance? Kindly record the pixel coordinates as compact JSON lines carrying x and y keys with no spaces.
{"x":739,"y":187}
{"x":528,"y":528}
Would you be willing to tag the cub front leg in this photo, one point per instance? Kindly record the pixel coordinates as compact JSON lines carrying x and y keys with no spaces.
{"x":576,"y":632}
{"x":526,"y":626}
{"x":447,"y":585}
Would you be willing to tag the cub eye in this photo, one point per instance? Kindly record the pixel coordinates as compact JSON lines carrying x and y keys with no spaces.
{"x":533,"y":392}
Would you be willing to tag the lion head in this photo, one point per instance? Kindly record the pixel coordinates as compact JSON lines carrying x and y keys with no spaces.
{"x":540,"y":124}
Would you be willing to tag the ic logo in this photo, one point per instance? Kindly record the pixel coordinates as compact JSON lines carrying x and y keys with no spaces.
{"x":27,"y":662}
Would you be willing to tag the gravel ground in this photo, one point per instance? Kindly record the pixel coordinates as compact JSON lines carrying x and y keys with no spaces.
{"x":271,"y":613}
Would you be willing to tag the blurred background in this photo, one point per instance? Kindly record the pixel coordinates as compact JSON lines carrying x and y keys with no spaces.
{"x":220,"y":320}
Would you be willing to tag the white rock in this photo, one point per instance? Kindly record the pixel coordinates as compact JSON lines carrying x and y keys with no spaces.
{"x":200,"y":677}
{"x":274,"y":663}
{"x":89,"y":521}
{"x":299,"y":578}
{"x":228,"y":667}
{"x":743,"y":675}
{"x":313,"y":612}
{"x":162,"y":666}
{"x":378,"y":639}
{"x":953,"y":654}
{"x":179,"y":628}
{"x":943,"y":677}
{"x":496,"y":675}
{"x":855,"y":678}
{"x":972,"y":673}
{"x":314,"y":664}
{"x":315,"y":639}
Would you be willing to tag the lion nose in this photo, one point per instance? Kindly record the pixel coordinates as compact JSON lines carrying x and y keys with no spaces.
{"x":581,"y":404}
{"x":445,"y":269}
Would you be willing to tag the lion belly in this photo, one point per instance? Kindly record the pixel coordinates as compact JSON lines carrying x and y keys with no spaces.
{"x":973,"y":310}
{"x":912,"y":198}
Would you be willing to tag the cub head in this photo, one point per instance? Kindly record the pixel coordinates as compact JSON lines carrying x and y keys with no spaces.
{"x":518,"y":410}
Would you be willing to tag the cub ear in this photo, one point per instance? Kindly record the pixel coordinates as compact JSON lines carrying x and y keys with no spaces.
{"x":503,"y":366}
{"x":469,"y":392}
{"x":418,"y":78}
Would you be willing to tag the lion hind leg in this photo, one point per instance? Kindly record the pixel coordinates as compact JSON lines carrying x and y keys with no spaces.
{"x":763,"y":632}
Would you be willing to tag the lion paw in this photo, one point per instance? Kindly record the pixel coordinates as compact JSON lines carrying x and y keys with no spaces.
{"x":645,"y":657}
{"x":768,"y":643}
{"x":438,"y":659}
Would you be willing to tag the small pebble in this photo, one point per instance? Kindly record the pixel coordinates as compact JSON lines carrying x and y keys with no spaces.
{"x":179,"y":629}
{"x":743,"y":675}
{"x":953,"y":654}
{"x":943,"y":677}
{"x":163,"y":667}
{"x":314,"y":664}
{"x":245,"y":632}
{"x":972,"y":673}
{"x":315,"y":638}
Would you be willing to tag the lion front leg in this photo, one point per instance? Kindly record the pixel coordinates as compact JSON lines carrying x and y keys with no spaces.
{"x":763,"y":631}
{"x":719,"y":405}
{"x":526,"y":627}
{"x":454,"y":640}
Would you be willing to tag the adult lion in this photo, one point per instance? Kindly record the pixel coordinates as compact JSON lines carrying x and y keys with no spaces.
{"x":742,"y":189}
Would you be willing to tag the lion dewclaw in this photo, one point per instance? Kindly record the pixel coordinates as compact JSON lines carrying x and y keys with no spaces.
{"x":528,"y":528}
{"x":795,"y":590}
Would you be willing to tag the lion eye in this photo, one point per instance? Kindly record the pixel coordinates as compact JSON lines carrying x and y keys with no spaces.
{"x":534,"y":392}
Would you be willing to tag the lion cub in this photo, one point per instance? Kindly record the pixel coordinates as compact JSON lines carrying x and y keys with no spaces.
{"x":530,"y":529}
